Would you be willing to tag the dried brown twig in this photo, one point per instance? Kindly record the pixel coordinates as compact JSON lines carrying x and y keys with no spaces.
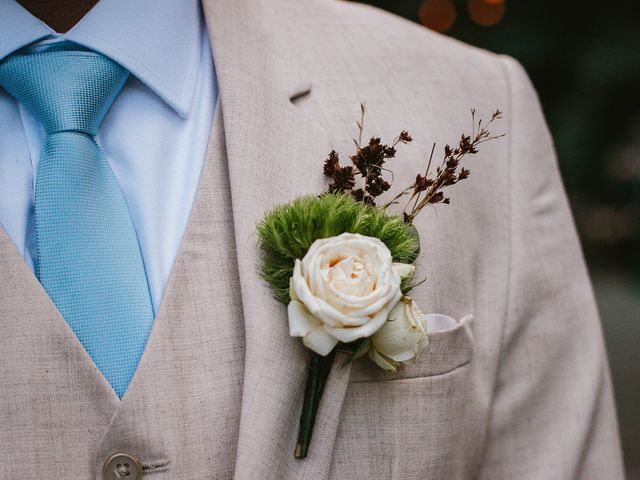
{"x":369,"y":161}
{"x":428,"y":190}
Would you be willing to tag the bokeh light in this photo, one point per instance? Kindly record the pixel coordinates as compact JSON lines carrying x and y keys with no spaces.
{"x":486,"y":12}
{"x":438,"y":15}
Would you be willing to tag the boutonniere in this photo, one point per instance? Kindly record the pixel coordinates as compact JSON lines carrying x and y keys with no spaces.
{"x":344,"y":266}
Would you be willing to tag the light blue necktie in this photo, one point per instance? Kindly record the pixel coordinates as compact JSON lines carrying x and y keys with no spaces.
{"x":88,"y":256}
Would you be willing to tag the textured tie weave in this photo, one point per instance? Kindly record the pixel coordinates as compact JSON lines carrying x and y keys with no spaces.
{"x":88,"y":256}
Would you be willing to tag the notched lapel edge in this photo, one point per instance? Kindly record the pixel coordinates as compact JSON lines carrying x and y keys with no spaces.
{"x":274,"y":152}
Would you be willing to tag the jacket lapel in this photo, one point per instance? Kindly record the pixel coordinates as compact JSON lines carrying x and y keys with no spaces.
{"x":274,"y":154}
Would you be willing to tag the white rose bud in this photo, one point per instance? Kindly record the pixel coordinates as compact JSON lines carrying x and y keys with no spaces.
{"x":343,"y":290}
{"x":402,"y":338}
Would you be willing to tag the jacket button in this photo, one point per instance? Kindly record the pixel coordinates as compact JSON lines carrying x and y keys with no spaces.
{"x":122,"y":466}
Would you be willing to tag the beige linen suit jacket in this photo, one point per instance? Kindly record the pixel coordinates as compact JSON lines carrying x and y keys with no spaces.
{"x":520,"y":392}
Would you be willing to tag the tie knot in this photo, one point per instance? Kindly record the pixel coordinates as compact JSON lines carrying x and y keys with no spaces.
{"x":66,"y":90}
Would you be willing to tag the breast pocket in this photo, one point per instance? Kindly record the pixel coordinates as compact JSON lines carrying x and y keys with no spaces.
{"x":407,"y":425}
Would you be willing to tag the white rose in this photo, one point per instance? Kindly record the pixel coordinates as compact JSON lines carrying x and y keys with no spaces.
{"x":402,"y":338}
{"x":343,"y":290}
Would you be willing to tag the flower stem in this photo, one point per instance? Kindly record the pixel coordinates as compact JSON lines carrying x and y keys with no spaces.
{"x":319,"y":368}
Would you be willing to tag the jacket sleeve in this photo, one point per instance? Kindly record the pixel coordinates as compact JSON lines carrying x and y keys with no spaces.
{"x":553,"y":415}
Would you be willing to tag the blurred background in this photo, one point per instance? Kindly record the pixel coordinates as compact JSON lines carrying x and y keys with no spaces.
{"x":584,"y":59}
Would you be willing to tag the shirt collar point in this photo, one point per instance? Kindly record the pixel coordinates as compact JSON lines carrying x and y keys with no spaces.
{"x":180,"y":103}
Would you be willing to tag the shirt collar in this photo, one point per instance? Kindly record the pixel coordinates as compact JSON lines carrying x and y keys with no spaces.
{"x":158,"y":41}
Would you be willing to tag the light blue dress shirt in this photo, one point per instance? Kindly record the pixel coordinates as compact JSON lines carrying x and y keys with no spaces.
{"x":155,"y":136}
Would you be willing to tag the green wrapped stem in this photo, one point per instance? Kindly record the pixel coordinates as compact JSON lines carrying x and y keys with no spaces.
{"x":319,"y":368}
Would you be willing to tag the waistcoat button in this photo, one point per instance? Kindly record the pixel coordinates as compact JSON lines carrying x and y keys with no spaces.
{"x":122,"y":466}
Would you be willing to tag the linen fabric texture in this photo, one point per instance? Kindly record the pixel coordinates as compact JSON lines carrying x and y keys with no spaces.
{"x":521,"y":391}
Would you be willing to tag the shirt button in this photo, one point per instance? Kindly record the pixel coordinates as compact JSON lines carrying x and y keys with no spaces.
{"x":122,"y":466}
